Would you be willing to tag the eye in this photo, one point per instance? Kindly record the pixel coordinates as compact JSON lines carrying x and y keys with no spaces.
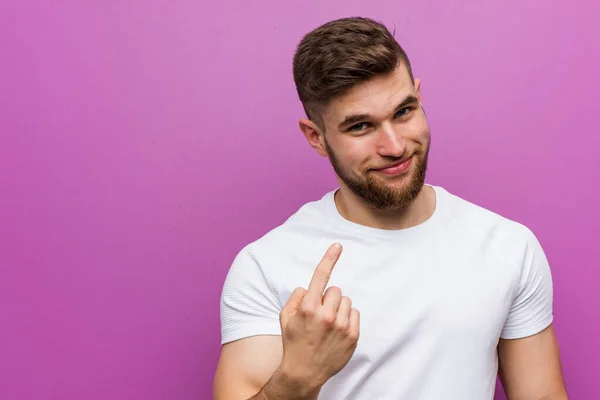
{"x":358,"y":127}
{"x":402,"y":112}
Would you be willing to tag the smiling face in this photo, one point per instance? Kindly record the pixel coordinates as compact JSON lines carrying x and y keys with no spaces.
{"x":377,"y":138}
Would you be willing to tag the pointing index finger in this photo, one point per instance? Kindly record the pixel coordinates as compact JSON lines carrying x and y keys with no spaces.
{"x":322,"y":273}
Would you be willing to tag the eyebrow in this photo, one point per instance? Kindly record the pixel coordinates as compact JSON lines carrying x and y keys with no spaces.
{"x":352,"y":119}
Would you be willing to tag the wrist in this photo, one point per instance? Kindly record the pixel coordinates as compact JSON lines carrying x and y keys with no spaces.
{"x":301,"y":387}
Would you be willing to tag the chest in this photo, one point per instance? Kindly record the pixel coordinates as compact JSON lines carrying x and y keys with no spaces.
{"x":443,"y":297}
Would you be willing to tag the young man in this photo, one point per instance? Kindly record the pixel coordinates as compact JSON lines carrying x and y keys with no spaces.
{"x":449,"y":293}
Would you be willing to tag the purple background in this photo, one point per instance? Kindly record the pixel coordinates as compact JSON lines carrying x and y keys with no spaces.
{"x":144,"y":143}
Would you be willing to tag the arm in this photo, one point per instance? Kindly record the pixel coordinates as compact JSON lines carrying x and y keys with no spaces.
{"x":529,"y":361}
{"x":530,"y":367}
{"x":248,"y":369}
{"x":319,"y":334}
{"x":245,"y":366}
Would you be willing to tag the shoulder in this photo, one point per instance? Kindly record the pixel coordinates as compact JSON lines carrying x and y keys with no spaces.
{"x":474,"y":221}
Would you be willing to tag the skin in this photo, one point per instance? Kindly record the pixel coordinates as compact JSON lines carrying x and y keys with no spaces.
{"x":394,"y":128}
{"x":320,"y":330}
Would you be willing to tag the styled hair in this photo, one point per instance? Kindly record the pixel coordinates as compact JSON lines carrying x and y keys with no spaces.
{"x":340,"y":54}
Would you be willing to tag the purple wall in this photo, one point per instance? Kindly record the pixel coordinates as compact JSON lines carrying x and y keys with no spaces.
{"x":143,"y":143}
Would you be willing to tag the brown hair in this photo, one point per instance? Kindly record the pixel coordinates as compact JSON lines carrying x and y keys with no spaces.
{"x":340,"y":54}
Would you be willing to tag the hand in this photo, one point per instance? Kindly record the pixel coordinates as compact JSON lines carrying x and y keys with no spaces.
{"x":319,"y":332}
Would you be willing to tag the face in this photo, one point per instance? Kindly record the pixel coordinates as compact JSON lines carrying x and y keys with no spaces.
{"x":377,"y":139}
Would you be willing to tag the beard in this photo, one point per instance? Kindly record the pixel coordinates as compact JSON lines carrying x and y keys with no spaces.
{"x":378,"y":193}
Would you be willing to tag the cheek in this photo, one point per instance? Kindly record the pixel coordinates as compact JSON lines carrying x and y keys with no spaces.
{"x":422,"y":128}
{"x":355,"y":151}
{"x":418,"y":131}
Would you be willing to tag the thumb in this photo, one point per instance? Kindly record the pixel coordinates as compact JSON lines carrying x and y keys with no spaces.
{"x":293,"y":302}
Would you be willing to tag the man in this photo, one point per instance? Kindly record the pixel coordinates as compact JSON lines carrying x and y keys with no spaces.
{"x":449,"y":293}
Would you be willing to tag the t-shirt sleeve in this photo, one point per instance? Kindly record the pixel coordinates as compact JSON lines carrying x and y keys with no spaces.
{"x":249,"y":302}
{"x":531,"y":310}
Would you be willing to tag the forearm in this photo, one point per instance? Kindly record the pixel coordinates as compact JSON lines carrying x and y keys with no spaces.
{"x":282,"y":387}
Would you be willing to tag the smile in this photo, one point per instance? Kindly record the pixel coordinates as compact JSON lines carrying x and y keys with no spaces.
{"x":396,"y":168}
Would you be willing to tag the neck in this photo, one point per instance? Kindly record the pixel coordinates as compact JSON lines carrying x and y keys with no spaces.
{"x":355,"y":209}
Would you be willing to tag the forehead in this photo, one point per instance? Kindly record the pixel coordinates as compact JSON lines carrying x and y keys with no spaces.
{"x":377,"y":96}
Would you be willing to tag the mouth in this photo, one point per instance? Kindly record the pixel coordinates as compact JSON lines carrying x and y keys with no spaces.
{"x":395,"y":168}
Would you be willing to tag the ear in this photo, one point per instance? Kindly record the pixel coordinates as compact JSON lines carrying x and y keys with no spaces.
{"x":314,"y":136}
{"x":418,"y":90}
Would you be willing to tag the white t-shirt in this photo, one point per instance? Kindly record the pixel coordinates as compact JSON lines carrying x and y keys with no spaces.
{"x":434,"y":299}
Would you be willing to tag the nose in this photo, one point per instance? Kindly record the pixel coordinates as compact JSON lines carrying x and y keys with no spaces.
{"x":390,"y":142}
